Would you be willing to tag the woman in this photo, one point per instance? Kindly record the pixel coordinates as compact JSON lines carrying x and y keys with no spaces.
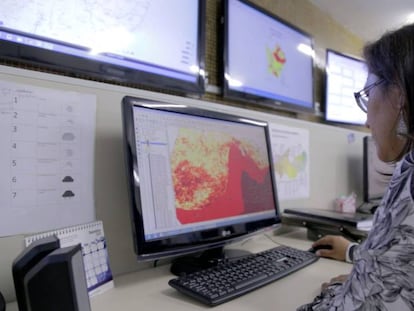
{"x":382,"y":277}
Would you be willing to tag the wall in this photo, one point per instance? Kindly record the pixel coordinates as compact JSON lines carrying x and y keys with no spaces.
{"x":334,"y":172}
{"x":335,"y":164}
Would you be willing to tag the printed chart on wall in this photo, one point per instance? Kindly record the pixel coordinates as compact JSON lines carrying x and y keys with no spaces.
{"x":290,"y":148}
{"x":46,"y":163}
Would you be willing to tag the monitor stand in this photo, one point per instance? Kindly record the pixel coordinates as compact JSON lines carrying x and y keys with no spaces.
{"x":207,"y":259}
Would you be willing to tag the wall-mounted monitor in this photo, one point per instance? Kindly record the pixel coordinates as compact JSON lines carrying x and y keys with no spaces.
{"x":267,"y":61}
{"x":153,"y":43}
{"x":197,"y":178}
{"x":344,"y":75}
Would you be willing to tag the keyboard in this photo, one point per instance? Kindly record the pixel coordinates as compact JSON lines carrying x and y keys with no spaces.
{"x":235,"y":277}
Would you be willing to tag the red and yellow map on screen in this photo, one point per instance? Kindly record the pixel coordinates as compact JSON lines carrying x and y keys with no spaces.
{"x":216,"y":175}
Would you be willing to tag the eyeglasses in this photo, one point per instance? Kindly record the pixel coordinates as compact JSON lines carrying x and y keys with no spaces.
{"x":362,"y":96}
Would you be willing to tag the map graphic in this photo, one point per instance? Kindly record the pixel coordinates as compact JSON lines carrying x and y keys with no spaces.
{"x":291,"y":163}
{"x":130,"y":29}
{"x":290,"y":147}
{"x":80,"y":22}
{"x":276,"y":59}
{"x":216,"y":175}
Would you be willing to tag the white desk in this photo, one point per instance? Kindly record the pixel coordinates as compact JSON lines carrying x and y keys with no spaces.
{"x":149,"y":290}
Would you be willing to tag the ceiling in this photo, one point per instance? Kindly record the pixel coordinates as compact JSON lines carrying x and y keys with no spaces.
{"x":368,"y":19}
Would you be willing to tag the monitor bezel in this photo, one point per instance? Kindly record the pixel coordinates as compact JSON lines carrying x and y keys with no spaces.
{"x":200,"y":240}
{"x":230,"y":93}
{"x":345,"y":56}
{"x":79,"y":67}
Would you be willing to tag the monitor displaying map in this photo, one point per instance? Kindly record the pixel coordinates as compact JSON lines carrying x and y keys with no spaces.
{"x":267,"y":61}
{"x":197,"y":178}
{"x":151,"y":42}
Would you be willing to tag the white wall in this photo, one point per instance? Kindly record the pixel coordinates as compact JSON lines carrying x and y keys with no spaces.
{"x":335,"y":159}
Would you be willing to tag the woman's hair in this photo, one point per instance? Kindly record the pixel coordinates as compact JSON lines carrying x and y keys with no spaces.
{"x":392,"y":58}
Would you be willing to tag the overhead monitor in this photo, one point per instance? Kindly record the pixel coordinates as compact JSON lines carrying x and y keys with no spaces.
{"x":267,"y":61}
{"x":197,"y":178}
{"x":344,"y":76}
{"x":376,"y":173}
{"x":154,"y":43}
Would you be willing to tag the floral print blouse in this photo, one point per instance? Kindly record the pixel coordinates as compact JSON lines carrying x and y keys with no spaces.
{"x":382,"y":277}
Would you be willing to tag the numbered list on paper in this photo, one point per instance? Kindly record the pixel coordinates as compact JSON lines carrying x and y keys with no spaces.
{"x":46,"y":162}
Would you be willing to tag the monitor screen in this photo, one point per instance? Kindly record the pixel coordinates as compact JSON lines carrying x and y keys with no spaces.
{"x":376,"y":173}
{"x":344,"y":76}
{"x":266,"y":60}
{"x":154,"y":43}
{"x":197,"y":178}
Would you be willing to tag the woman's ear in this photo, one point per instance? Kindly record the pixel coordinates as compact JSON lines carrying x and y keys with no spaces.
{"x":401,"y":126}
{"x":401,"y":98}
{"x":402,"y":129}
{"x":396,"y":97}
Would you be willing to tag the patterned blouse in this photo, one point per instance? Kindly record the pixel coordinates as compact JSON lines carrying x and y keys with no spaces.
{"x":382,"y":277}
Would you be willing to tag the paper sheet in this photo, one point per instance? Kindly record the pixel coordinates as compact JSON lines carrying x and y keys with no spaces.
{"x":46,"y":162}
{"x":290,"y":147}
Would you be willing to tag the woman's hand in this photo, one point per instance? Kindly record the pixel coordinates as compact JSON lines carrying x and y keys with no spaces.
{"x":338,"y":279}
{"x":339,"y":247}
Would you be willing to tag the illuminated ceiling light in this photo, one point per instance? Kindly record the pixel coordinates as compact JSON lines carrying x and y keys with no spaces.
{"x":252,"y":122}
{"x":164,"y":106}
{"x":306,"y":49}
{"x":112,"y":40}
{"x":198,"y":70}
{"x":410,"y":19}
{"x":233,"y":82}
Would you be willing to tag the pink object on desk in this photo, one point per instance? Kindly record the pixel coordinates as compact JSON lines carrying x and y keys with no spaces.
{"x":346,"y":204}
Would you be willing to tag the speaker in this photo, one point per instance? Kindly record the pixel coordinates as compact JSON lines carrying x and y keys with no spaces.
{"x":27,"y":259}
{"x":58,"y":282}
{"x":55,"y":282}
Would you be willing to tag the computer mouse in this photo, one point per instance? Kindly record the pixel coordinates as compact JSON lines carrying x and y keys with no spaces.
{"x":317,"y":247}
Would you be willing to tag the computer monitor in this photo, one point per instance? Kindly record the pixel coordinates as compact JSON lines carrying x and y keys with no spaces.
{"x":344,"y":75}
{"x":197,"y":178}
{"x":267,"y":61}
{"x":153,"y":43}
{"x":376,"y":173}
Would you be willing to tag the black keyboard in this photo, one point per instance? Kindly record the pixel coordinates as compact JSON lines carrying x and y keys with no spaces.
{"x":234,"y":277}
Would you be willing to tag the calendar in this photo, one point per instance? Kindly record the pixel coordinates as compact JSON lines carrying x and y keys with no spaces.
{"x":94,"y":251}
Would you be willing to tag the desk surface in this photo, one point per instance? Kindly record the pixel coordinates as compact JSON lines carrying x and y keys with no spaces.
{"x":149,"y":289}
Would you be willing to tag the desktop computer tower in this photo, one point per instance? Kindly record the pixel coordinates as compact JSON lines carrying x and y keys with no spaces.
{"x":48,"y":278}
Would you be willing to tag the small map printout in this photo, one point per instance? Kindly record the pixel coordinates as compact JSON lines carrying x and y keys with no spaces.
{"x":290,"y":148}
